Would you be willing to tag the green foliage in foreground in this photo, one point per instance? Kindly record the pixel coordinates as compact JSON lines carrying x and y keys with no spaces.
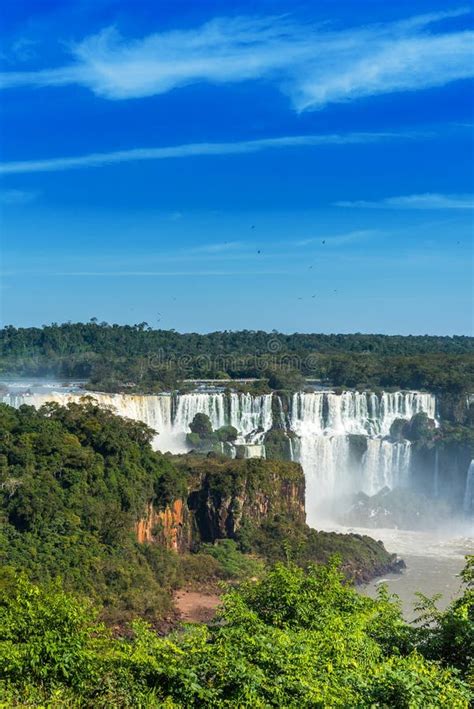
{"x":292,"y":639}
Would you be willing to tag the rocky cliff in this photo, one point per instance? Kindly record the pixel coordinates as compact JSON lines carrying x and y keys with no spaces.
{"x":168,"y":526}
{"x":260,"y":504}
{"x":224,"y":498}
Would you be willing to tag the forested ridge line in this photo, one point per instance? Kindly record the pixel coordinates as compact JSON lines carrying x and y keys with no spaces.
{"x":136,"y":357}
{"x":138,"y":339}
{"x":76,"y":480}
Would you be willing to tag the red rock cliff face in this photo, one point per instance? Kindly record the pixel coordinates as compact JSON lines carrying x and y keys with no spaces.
{"x":221,"y":496}
{"x":218,"y":517}
{"x":167,"y":527}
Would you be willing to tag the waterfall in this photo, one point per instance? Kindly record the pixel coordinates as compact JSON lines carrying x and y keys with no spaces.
{"x":436,"y":475}
{"x":170,"y":415}
{"x":357,"y":413}
{"x":322,"y":422}
{"x":254,"y":450}
{"x":325,"y":461}
{"x":385,"y":464}
{"x":468,"y":505}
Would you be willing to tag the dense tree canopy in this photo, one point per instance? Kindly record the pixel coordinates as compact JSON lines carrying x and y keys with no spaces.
{"x":294,"y":638}
{"x":114,"y":357}
{"x":73,"y":482}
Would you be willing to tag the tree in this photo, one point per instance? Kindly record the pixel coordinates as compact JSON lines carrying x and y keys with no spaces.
{"x":291,"y":638}
{"x":201,"y":424}
{"x":227,"y":434}
{"x":285,"y":378}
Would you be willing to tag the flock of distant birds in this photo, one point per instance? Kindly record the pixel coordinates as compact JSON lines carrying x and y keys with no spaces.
{"x":259,"y":251}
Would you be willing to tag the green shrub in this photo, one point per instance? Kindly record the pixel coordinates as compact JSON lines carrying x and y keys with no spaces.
{"x":233,"y":563}
{"x":291,"y":638}
{"x":45,"y":635}
{"x":201,"y":424}
{"x":227,"y":434}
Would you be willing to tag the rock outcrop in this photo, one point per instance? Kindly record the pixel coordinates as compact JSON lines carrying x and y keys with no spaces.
{"x":223,"y":496}
{"x":167,"y":527}
{"x":260,"y":504}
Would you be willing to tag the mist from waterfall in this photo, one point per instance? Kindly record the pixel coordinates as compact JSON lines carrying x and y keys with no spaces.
{"x":325,"y":430}
{"x":170,"y":415}
{"x":468,"y":502}
{"x":324,"y":423}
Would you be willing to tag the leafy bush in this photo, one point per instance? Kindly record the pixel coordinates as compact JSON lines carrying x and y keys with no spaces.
{"x":227,"y":434}
{"x":201,"y":425}
{"x":232,"y":562}
{"x":292,"y":638}
{"x":200,"y":568}
{"x":449,"y":636}
{"x":45,"y":634}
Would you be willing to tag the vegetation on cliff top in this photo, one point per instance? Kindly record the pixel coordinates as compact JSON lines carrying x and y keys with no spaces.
{"x":73,"y":483}
{"x":75,"y":480}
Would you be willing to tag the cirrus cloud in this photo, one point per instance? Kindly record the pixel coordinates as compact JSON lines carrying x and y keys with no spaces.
{"x":313,"y":66}
{"x":200,"y":149}
{"x":17,"y":197}
{"x":428,"y":200}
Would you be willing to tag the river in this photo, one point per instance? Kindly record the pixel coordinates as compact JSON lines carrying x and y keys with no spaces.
{"x":434,"y":561}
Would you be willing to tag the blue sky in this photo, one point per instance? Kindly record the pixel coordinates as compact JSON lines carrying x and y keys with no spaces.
{"x":303,"y":166}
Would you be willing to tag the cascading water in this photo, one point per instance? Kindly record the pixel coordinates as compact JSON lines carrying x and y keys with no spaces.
{"x":468,"y":504}
{"x":436,"y":475}
{"x":170,"y":415}
{"x":385,"y":464}
{"x":357,"y":413}
{"x":324,"y":424}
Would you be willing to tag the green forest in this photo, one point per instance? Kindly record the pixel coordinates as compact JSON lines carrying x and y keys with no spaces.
{"x":76,"y":480}
{"x":82,"y":599}
{"x":292,"y":638}
{"x":138,"y":358}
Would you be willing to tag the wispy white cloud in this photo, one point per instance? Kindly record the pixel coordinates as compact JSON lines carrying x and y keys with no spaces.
{"x":131,"y":274}
{"x":428,"y":200}
{"x":314,"y":66}
{"x":217,"y":248}
{"x":17,"y":196}
{"x":198,"y":149}
{"x":350,"y":237}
